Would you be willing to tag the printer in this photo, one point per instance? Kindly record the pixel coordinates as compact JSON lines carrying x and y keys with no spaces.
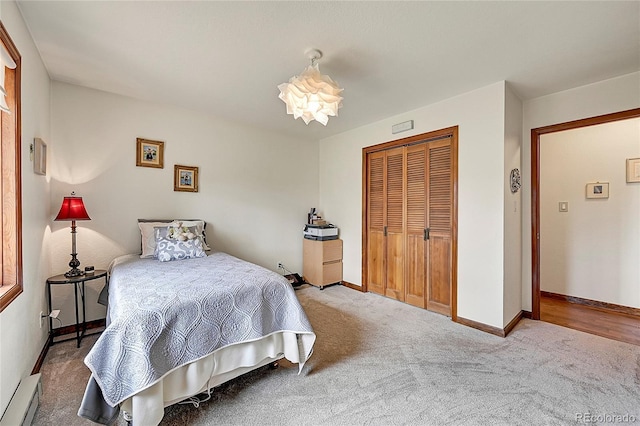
{"x":320,"y":232}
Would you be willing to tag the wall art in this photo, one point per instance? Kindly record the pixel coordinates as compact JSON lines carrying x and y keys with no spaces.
{"x":185,"y":178}
{"x":149,"y":153}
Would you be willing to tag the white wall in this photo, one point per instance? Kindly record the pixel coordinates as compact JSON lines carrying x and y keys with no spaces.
{"x":481,"y":162}
{"x":21,"y":338}
{"x":613,"y":95}
{"x":593,"y":250}
{"x":512,"y":208}
{"x":255,"y":186}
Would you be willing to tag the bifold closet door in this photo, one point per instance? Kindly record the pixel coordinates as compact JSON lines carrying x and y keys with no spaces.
{"x":416,"y":219}
{"x":391,"y":180}
{"x":395,"y":219}
{"x":439,"y":225}
{"x":386,"y":216}
{"x":409,"y":219}
{"x":376,"y":196}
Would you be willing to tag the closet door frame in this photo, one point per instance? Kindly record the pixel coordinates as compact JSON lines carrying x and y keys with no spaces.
{"x":451,"y":132}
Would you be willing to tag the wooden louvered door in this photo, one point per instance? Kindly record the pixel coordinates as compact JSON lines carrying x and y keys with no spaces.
{"x":385,"y":217}
{"x":395,"y":218}
{"x":439,"y":220}
{"x":409,"y":224}
{"x":416,"y":245}
{"x":375,"y":221}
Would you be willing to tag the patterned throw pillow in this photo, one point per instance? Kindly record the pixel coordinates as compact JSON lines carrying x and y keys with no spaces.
{"x":168,"y":249}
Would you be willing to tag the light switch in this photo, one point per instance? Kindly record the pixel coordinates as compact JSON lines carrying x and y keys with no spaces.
{"x":563,"y":206}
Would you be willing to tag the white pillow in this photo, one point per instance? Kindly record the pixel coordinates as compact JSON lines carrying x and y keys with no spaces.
{"x":147,"y":233}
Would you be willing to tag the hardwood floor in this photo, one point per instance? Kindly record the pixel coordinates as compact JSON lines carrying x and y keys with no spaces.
{"x":613,"y":325}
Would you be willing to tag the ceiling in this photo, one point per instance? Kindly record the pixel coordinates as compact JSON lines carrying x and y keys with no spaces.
{"x":226,"y":58}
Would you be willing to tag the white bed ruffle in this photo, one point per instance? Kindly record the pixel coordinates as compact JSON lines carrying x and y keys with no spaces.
{"x":147,"y":407}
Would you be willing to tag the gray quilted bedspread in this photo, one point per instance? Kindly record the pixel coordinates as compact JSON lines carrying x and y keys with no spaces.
{"x":164,"y":315}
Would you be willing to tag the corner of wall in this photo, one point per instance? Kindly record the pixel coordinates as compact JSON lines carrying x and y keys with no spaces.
{"x":512,"y":291}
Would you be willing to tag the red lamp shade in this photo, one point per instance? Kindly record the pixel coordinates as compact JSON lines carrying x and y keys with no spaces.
{"x":72,"y":209}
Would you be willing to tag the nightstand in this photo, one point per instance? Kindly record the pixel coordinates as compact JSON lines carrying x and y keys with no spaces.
{"x":78,"y":284}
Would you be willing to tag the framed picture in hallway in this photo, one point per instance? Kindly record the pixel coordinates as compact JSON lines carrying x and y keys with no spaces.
{"x":633,"y":170}
{"x":598,"y":190}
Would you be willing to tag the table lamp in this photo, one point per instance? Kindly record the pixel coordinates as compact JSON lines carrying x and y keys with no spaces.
{"x":73,"y":209}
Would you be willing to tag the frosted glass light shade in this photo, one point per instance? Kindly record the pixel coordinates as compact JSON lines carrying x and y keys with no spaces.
{"x":311,"y":96}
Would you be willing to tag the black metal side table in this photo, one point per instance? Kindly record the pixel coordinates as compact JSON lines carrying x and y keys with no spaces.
{"x":78,"y":284}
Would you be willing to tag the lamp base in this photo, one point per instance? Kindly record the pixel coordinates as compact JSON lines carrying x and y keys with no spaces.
{"x":75,"y":272}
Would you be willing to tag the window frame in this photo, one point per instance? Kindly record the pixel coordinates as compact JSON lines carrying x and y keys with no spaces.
{"x":11,"y":192}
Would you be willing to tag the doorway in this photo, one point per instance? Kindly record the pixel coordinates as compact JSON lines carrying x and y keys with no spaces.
{"x":564,"y":218}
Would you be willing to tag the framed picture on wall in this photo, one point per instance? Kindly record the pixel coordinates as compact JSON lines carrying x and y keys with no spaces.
{"x":185,"y":178}
{"x":633,"y":169}
{"x":149,"y":153}
{"x":598,"y":190}
{"x":39,"y":157}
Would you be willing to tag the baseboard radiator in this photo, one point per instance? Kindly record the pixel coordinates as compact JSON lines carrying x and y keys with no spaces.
{"x":24,"y":403}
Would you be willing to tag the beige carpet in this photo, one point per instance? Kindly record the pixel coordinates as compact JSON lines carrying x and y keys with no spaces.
{"x":381,"y":362}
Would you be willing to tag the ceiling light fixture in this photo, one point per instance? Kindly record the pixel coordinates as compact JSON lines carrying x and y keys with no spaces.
{"x":311,"y":95}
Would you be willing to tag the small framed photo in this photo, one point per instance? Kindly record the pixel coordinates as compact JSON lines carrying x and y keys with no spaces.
{"x":598,"y":190}
{"x":39,"y":157}
{"x":633,"y":170}
{"x":185,"y":178}
{"x":149,"y":153}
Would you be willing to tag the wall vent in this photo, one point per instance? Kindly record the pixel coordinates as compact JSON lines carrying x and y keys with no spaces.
{"x":24,"y":403}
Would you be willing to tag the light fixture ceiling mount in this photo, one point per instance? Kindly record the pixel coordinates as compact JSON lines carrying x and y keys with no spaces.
{"x":311,"y":95}
{"x":313,"y":55}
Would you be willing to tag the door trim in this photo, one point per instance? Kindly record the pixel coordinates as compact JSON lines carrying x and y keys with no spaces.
{"x":535,"y":189}
{"x":451,"y":132}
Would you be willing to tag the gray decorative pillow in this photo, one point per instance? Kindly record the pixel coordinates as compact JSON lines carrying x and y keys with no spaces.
{"x":168,"y":249}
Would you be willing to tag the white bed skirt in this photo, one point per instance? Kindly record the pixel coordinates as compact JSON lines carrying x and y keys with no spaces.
{"x":147,"y":406}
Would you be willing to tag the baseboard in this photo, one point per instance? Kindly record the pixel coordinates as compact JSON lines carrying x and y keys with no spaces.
{"x":513,"y":323}
{"x":43,"y":354}
{"x":500,"y":332}
{"x":527,"y":314}
{"x":481,"y":326}
{"x":611,"y":307}
{"x":61,"y":332}
{"x":352,"y":286}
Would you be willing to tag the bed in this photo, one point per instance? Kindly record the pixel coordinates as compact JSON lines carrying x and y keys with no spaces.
{"x":178,"y":328}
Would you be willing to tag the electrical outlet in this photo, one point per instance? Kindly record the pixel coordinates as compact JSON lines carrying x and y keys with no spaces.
{"x":280,"y":266}
{"x":41,"y":318}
